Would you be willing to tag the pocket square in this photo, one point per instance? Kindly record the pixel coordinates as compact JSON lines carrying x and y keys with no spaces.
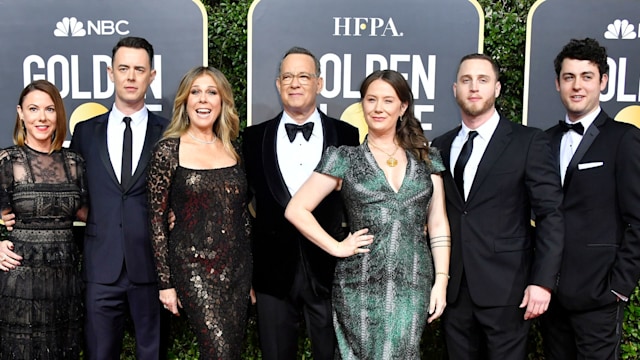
{"x":590,"y":165}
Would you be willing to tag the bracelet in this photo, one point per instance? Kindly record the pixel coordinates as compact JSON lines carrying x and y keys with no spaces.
{"x":443,"y":273}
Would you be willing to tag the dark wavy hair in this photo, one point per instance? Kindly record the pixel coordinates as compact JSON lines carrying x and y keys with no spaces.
{"x":409,"y":134}
{"x":584,"y":49}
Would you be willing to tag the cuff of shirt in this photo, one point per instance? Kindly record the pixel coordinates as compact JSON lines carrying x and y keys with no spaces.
{"x":620,"y":296}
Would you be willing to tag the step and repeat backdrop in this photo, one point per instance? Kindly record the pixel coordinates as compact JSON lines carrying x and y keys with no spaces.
{"x":69,"y":43}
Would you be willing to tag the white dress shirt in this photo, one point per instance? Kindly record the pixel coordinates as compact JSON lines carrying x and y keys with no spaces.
{"x":571,"y":140}
{"x":485,"y":131}
{"x":115,"y":137}
{"x":299,"y":158}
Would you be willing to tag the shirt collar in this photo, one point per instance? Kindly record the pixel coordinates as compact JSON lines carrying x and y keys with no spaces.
{"x":136,"y":118}
{"x":587,"y":120}
{"x":485,"y":131}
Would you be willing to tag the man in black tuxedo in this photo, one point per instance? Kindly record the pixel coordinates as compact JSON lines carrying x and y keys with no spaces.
{"x":599,"y":164}
{"x":502,"y":271}
{"x":292,"y":277}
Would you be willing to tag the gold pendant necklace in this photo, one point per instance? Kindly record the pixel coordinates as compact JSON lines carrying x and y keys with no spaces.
{"x":391,"y":161}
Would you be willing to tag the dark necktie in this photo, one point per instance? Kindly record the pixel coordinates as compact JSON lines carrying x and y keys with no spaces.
{"x":127,"y":144}
{"x":577,"y":127}
{"x":463,"y":158}
{"x":293,"y":129}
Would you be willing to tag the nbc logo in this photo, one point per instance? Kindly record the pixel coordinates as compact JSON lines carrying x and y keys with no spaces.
{"x":69,"y":27}
{"x":620,"y":29}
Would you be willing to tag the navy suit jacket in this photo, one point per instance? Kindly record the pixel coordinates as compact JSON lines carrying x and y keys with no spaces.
{"x":602,"y":214}
{"x":117,"y":228}
{"x":278,"y":247}
{"x":492,"y":241}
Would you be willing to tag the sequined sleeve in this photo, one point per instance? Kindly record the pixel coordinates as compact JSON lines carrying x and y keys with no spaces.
{"x":6,"y":179}
{"x":161,"y":169}
{"x":437,"y":165}
{"x":335,"y":161}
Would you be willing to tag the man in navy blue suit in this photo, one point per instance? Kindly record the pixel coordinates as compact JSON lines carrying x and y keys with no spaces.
{"x":118,"y":266}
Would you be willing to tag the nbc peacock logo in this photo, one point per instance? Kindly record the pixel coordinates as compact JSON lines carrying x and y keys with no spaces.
{"x":620,"y":29}
{"x":69,"y":26}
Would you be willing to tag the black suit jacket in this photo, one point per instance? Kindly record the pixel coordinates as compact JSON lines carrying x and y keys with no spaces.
{"x":278,"y":247}
{"x":117,"y":228}
{"x":492,"y":240}
{"x":602,"y":214}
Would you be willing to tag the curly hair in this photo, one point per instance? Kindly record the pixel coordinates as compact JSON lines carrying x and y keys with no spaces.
{"x":227,"y":125}
{"x":409,"y":134}
{"x":584,"y":49}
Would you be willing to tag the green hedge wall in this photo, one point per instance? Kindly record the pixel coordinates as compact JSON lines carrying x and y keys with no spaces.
{"x":505,"y":35}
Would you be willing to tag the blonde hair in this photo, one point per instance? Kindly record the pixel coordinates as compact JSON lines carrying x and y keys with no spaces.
{"x":19,"y":130}
{"x":226,"y":127}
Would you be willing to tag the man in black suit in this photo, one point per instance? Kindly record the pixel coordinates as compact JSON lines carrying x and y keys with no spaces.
{"x":502,"y":271}
{"x":599,"y":164}
{"x":292,"y":277}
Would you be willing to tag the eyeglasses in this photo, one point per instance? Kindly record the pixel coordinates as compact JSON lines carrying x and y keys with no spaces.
{"x":303,"y":78}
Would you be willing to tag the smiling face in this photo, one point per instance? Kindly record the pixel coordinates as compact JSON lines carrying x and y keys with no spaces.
{"x":299,"y":100}
{"x":131,"y":73}
{"x":476,"y":90}
{"x":38,"y":113}
{"x":204,"y":103}
{"x":579,"y":84}
{"x":382,"y":107}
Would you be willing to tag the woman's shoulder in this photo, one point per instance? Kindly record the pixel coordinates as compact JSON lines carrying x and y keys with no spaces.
{"x":167,"y":144}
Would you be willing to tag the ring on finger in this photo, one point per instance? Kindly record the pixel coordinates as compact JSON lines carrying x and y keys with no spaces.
{"x":355,"y":251}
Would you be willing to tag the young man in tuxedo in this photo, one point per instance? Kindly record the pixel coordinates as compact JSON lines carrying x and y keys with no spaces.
{"x":292,"y":277}
{"x":599,"y":164}
{"x":502,"y":271}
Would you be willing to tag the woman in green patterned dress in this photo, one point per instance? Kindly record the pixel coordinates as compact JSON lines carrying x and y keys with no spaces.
{"x":384,"y":290}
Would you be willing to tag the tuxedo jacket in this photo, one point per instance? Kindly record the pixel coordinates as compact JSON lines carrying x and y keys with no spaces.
{"x":278,"y":247}
{"x":117,"y":228}
{"x":493,"y":244}
{"x":602,"y":214}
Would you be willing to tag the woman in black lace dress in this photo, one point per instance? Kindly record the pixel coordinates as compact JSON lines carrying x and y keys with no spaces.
{"x":42,"y":184}
{"x":204,"y":263}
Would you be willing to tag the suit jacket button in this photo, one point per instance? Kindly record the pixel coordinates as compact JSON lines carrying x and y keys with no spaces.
{"x":464,"y":212}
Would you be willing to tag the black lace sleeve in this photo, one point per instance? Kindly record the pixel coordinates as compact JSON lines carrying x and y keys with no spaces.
{"x":161,"y":169}
{"x":77,"y":169}
{"x":6,"y":179}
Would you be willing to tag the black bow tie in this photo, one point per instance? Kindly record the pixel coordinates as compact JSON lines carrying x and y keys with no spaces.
{"x":577,"y":127}
{"x":292,"y":130}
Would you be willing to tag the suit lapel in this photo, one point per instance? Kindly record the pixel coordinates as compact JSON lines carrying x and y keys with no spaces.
{"x":275,"y":181}
{"x":556,"y":139}
{"x":330,"y":132}
{"x":153,"y":133}
{"x":103,"y":151}
{"x":499,"y":140}
{"x":587,"y":139}
{"x":445,"y":153}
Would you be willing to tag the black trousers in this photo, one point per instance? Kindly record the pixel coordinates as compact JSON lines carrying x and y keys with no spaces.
{"x":581,"y":335}
{"x":279,"y":320}
{"x":474,"y":333}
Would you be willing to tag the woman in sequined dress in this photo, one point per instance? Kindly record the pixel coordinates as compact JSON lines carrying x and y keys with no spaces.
{"x":204,"y":264}
{"x":42,"y":184}
{"x":390,"y":280}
